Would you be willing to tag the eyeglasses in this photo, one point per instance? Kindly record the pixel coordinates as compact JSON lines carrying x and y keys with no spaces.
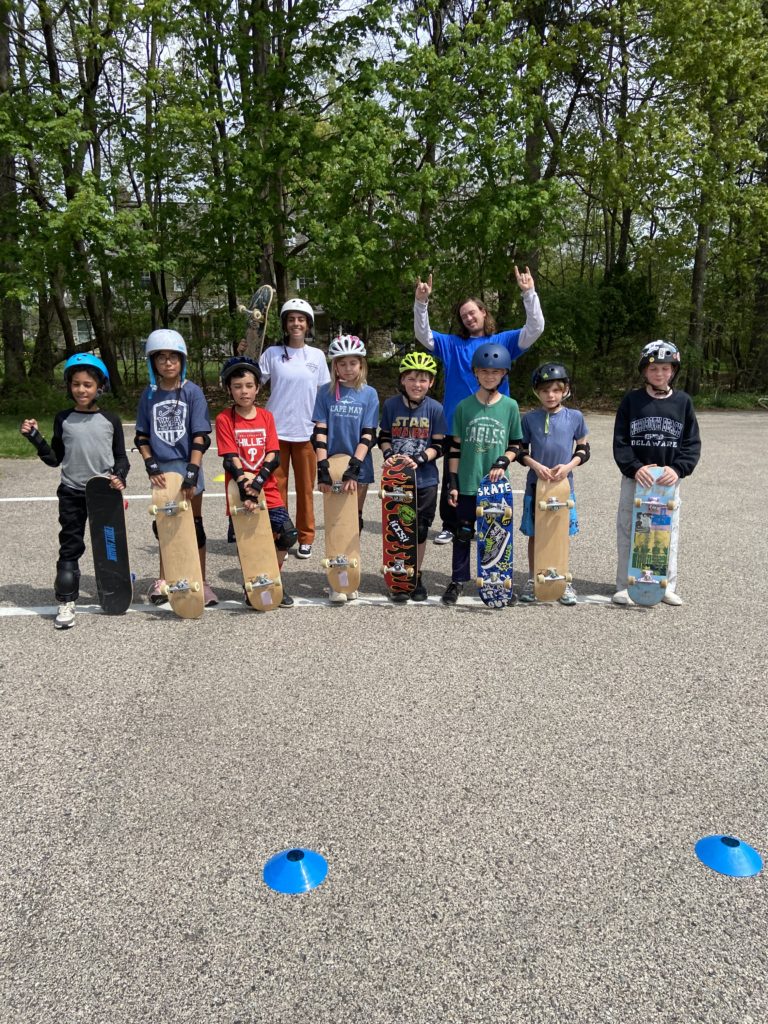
{"x":168,"y":357}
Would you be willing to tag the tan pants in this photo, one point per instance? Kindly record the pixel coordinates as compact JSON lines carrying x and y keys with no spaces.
{"x":300,"y":455}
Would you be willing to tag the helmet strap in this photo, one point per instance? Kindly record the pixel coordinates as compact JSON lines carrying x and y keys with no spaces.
{"x":661,"y":392}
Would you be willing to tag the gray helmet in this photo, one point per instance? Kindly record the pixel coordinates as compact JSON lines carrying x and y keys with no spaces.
{"x":491,"y":357}
{"x":165,"y":339}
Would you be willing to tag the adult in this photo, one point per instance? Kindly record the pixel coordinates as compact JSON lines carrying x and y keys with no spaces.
{"x":455,"y":351}
{"x":295,"y":370}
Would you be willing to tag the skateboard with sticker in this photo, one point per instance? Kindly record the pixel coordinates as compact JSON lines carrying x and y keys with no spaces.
{"x":494,"y":542}
{"x":174,"y":519}
{"x":342,"y":532}
{"x":258,"y":314}
{"x":551,"y":539}
{"x":109,"y":545}
{"x":650,"y":540}
{"x":256,"y":550}
{"x":399,"y":527}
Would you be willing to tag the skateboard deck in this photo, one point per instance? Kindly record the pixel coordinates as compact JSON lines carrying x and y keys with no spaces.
{"x":551,"y":539}
{"x":494,"y":542}
{"x":258,"y":314}
{"x":398,"y":527}
{"x":256,"y":551}
{"x":649,"y":542}
{"x":342,"y":532}
{"x":109,"y":545}
{"x":178,"y":546}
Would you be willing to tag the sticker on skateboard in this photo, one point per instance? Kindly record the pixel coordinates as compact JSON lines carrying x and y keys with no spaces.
{"x":494,"y":542}
{"x":652,"y":515}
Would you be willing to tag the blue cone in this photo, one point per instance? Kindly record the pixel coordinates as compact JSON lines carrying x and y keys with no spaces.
{"x":729,"y":856}
{"x":295,"y":871}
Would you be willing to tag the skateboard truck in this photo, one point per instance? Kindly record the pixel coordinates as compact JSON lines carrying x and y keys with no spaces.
{"x":258,"y":581}
{"x":396,"y":494}
{"x":398,"y":568}
{"x":180,"y":587}
{"x":553,"y":576}
{"x":339,"y":562}
{"x":553,"y":505}
{"x":170,"y":508}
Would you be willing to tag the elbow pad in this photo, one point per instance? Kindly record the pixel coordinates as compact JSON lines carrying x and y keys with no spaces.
{"x":141,"y":440}
{"x":582,"y":452}
{"x":368,"y":437}
{"x":229,"y":466}
{"x":437,"y":444}
{"x":319,"y":438}
{"x":201,"y":443}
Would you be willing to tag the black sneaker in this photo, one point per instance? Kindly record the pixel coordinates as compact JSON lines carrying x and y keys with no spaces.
{"x":287,"y":601}
{"x":398,"y":597}
{"x":453,"y":592}
{"x":419,"y":592}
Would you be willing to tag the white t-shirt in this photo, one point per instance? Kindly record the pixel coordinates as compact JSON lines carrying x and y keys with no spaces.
{"x":294,"y":382}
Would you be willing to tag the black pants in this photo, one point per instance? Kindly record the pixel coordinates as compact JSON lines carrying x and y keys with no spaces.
{"x":72,"y":519}
{"x":462,"y":549}
{"x":447,"y":512}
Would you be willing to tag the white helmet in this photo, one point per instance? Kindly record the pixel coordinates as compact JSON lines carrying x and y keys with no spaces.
{"x":165,"y":340}
{"x":298,"y":306}
{"x":346,"y":345}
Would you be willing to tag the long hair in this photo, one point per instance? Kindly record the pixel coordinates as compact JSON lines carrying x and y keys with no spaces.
{"x":490,"y":324}
{"x":360,"y":381}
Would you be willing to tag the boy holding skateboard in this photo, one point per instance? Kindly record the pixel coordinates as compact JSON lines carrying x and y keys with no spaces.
{"x":486,"y":437}
{"x":655,"y":426}
{"x":413,"y":429}
{"x":247,"y":442}
{"x":87,"y":442}
{"x":554,"y":444}
{"x":173,"y":431}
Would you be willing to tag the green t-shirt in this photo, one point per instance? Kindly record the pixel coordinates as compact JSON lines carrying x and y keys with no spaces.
{"x":484,"y":432}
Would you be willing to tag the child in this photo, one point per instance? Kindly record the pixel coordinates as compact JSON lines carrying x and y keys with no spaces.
{"x":86,"y":442}
{"x":173,"y":431}
{"x":413,"y":429}
{"x":247,"y":442}
{"x":549,"y":435}
{"x":346,"y":416}
{"x":655,"y":426}
{"x":486,"y":438}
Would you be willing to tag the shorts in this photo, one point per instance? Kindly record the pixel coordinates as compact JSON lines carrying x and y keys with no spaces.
{"x":180,"y":466}
{"x":427,"y":506}
{"x":529,"y":511}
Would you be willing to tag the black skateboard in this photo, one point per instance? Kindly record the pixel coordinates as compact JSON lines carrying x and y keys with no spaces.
{"x":109,"y":544}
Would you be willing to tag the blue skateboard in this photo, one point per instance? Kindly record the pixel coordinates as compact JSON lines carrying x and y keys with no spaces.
{"x":494,"y":542}
{"x":649,"y":542}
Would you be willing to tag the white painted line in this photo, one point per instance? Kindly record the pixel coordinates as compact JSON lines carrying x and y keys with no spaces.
{"x":129,"y":496}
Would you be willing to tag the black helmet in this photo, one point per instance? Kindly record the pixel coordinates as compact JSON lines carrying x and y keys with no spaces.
{"x":239,"y":363}
{"x":548,"y":372}
{"x":660,"y":352}
{"x":491,"y":357}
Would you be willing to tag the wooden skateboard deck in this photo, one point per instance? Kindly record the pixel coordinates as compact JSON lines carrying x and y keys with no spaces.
{"x":258,"y":314}
{"x":398,"y":527}
{"x":649,"y":542}
{"x":494,"y":542}
{"x":109,"y":545}
{"x":551,"y":539}
{"x":178,"y":546}
{"x":342,"y":532}
{"x":256,"y":551}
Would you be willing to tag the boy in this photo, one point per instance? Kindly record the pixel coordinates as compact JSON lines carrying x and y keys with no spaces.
{"x":247,"y":441}
{"x":549,"y":436}
{"x":486,"y":437}
{"x":86,"y":442}
{"x":655,"y":426}
{"x":413,"y":429}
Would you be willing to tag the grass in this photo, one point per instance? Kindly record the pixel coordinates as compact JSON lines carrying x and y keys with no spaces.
{"x":12,"y":444}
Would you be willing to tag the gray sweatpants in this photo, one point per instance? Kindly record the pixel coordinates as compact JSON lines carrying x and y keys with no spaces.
{"x":624,"y":532}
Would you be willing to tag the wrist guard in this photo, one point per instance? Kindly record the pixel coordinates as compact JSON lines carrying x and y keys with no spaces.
{"x":582,"y":453}
{"x":190,"y":476}
{"x":420,"y":458}
{"x":453,"y":481}
{"x":324,"y":473}
{"x":388,"y":453}
{"x":242,"y":482}
{"x":501,"y":463}
{"x":352,"y":472}
{"x":152,"y":466}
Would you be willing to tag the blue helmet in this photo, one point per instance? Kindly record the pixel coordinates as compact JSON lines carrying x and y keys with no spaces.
{"x":491,"y":357}
{"x":239,"y":363}
{"x":83,"y":361}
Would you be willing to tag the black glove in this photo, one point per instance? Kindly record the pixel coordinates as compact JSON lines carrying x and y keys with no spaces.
{"x":352,"y":472}
{"x":36,"y":438}
{"x":420,"y":458}
{"x":152,"y":466}
{"x":190,"y":477}
{"x":501,"y":463}
{"x":324,"y":473}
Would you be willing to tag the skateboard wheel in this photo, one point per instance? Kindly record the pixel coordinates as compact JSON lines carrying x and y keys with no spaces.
{"x":382,"y":493}
{"x":383,"y":570}
{"x":235,"y":510}
{"x":353,"y":563}
{"x":540,"y":578}
{"x":663,"y":584}
{"x":479,"y":512}
{"x":153,"y":510}
{"x":568,"y":578}
{"x":195,"y":587}
{"x":165,"y":590}
{"x":638,"y":502}
{"x":326,"y":563}
{"x":479,"y":582}
{"x":262,"y":503}
{"x":631,"y":581}
{"x":183,"y":506}
{"x":671,"y":504}
{"x":543,"y":506}
{"x":570,"y":503}
{"x":409,"y":571}
{"x":507,"y":584}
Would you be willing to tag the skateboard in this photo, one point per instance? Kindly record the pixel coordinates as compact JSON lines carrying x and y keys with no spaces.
{"x":494,"y":542}
{"x":256,"y":551}
{"x":551,"y":539}
{"x":258,"y":314}
{"x":178,"y":546}
{"x":109,"y":545}
{"x":398,"y":527}
{"x":342,"y":532}
{"x":649,"y":542}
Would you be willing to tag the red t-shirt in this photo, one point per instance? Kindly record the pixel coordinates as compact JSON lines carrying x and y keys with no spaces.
{"x":249,"y":440}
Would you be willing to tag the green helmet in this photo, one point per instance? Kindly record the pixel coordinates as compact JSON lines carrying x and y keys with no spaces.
{"x":422,"y":361}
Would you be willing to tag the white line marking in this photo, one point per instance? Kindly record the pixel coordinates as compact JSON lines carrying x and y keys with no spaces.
{"x":129,"y":496}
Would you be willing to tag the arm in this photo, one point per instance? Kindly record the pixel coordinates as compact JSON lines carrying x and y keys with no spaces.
{"x":421,"y":328}
{"x":534,"y":318}
{"x":29,"y":428}
{"x":120,"y":464}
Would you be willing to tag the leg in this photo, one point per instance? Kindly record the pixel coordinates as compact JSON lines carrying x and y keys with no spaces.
{"x":304,"y":472}
{"x":674,"y":537}
{"x":72,"y":519}
{"x":624,"y":530}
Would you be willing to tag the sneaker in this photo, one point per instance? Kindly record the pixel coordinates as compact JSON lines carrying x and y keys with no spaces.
{"x":670,"y":597}
{"x":453,"y":592}
{"x":398,"y":597}
{"x":66,"y":616}
{"x":353,"y":596}
{"x":305,"y":550}
{"x":287,"y":601}
{"x":444,"y":537}
{"x":622,"y":597}
{"x":155,"y":593}
{"x":528,"y":596}
{"x":336,"y":598}
{"x":419,"y":592}
{"x":569,"y":597}
{"x":210,"y":597}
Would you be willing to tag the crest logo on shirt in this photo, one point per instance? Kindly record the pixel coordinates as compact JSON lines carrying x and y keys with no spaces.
{"x":170,"y":417}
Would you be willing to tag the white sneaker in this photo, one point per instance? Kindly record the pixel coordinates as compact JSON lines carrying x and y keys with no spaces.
{"x":336,"y":598}
{"x":670,"y":597}
{"x":353,"y":596}
{"x":569,"y":596}
{"x":528,"y":596}
{"x":66,"y":616}
{"x":444,"y":537}
{"x":622,"y":597}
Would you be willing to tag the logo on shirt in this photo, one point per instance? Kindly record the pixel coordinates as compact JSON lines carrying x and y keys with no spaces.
{"x":485,"y":433}
{"x":251,"y":444}
{"x":170,"y":420}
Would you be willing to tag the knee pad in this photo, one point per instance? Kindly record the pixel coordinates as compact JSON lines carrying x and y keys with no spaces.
{"x":465,"y":532}
{"x":200,"y":532}
{"x":287,"y":536}
{"x":67,"y":583}
{"x":360,"y":522}
{"x":422,"y":531}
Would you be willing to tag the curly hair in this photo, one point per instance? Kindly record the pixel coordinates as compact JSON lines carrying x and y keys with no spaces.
{"x":489,"y":327}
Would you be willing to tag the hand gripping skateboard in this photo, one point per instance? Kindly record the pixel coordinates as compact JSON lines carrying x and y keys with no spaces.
{"x":551,"y":539}
{"x":173,"y":515}
{"x":398,"y":527}
{"x":650,"y":539}
{"x":109,"y":545}
{"x":494,"y":542}
{"x":256,"y":550}
{"x":342,"y":532}
{"x":258,"y":314}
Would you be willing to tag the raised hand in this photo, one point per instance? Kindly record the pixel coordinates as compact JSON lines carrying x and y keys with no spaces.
{"x":525,"y":280}
{"x":423,"y":289}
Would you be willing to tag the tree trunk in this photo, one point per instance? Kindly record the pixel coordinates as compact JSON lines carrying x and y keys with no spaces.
{"x":695,"y":355}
